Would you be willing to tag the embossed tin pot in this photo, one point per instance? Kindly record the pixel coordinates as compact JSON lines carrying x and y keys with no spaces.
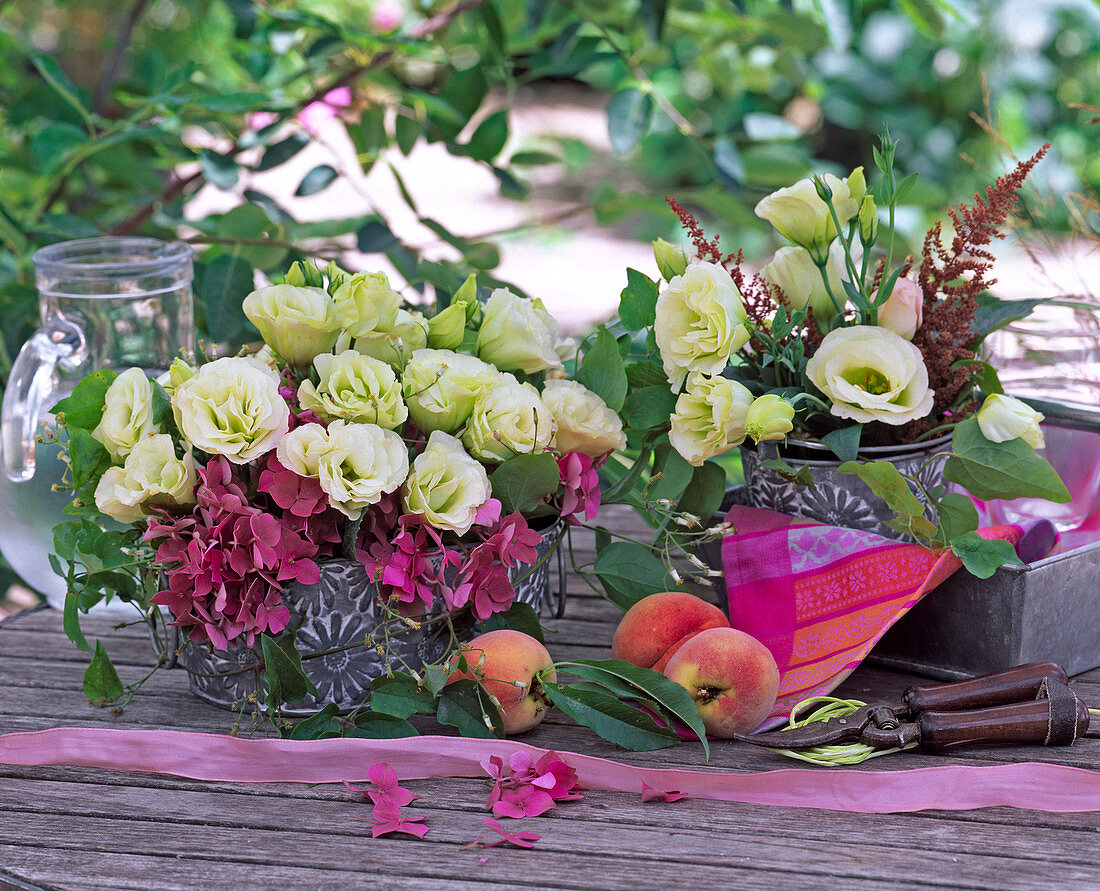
{"x":840,"y":499}
{"x":333,"y":617}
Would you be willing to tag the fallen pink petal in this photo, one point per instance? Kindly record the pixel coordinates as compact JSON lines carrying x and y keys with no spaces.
{"x":651,"y":794}
{"x":519,"y":839}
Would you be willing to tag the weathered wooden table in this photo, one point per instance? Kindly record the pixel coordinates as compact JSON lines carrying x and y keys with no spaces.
{"x":83,"y":828}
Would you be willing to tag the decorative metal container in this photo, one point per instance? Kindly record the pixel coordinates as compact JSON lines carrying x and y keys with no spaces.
{"x":333,"y":618}
{"x":840,"y":499}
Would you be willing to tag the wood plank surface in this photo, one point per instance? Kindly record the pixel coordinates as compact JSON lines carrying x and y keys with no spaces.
{"x":76,"y":828}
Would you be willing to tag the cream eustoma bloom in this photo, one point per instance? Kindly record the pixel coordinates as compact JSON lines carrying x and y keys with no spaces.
{"x":700,"y":321}
{"x":709,"y":418}
{"x":301,"y":449}
{"x":583,"y":420}
{"x":1002,"y":418}
{"x":446,"y":486}
{"x":354,"y":387}
{"x":793,"y":270}
{"x":800,"y":214}
{"x":517,"y":334}
{"x":127,"y":413}
{"x":298,"y":323}
{"x":508,"y":419}
{"x":232,"y":407}
{"x":152,"y":475}
{"x":440,"y":387}
{"x":362,"y":463}
{"x":365,"y":302}
{"x":769,"y":417}
{"x":871,"y":374}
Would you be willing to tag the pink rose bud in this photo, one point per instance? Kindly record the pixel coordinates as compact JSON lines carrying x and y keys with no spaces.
{"x":903,"y":311}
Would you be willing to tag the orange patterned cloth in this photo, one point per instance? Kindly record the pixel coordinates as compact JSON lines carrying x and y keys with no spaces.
{"x":819,"y":597}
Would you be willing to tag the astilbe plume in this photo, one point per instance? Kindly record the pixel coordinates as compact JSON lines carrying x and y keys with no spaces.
{"x":951,"y":277}
{"x":227,"y":561}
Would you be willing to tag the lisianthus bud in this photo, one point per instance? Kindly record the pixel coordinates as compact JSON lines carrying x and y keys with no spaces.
{"x":446,"y":486}
{"x":362,"y":463}
{"x":127,"y":413}
{"x":395,"y":345}
{"x":769,"y":417}
{"x":298,"y":323}
{"x":670,"y":259}
{"x":517,"y":334}
{"x":508,"y":419}
{"x":801,"y":214}
{"x":1002,"y":418}
{"x":440,"y":387}
{"x":152,"y":475}
{"x":903,"y":310}
{"x":710,"y":418}
{"x":232,"y":407}
{"x":354,"y":387}
{"x":304,"y":275}
{"x":178,"y":372}
{"x":868,"y":221}
{"x":584,"y":422}
{"x":793,"y":271}
{"x":700,"y":321}
{"x":365,"y":302}
{"x":447,"y":328}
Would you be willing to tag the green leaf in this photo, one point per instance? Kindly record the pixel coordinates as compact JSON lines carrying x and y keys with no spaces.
{"x":653,"y":685}
{"x":993,"y":313}
{"x":436,"y":677}
{"x":926,"y":15}
{"x":406,"y":132}
{"x":802,"y":476}
{"x":518,"y":617}
{"x":373,"y":725}
{"x":672,"y":474}
{"x":84,"y":406}
{"x":401,"y":696}
{"x":221,"y":289}
{"x":523,"y":481}
{"x":219,"y":170}
{"x":638,"y":301}
{"x":282,"y":151}
{"x":283,"y":675}
{"x":653,"y":17}
{"x":887,"y":483}
{"x":844,"y":442}
{"x":958,"y":515}
{"x":983,"y":556}
{"x":629,"y":572}
{"x":53,"y":75}
{"x":465,"y":705}
{"x":375,"y":237}
{"x":649,"y":406}
{"x":87,"y":457}
{"x":322,"y":725}
{"x":646,"y":374}
{"x":489,"y":138}
{"x":533,"y":159}
{"x":71,"y":622}
{"x":990,"y":470}
{"x":316,"y":180}
{"x":101,"y":682}
{"x":603,"y":371}
{"x":628,"y":114}
{"x":466,"y":90}
{"x":53,"y":144}
{"x":728,"y":164}
{"x":617,"y":722}
{"x":703,"y":495}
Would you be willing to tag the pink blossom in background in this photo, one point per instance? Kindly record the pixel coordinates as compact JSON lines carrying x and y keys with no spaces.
{"x":580,"y":481}
{"x":386,"y":16}
{"x":314,"y":116}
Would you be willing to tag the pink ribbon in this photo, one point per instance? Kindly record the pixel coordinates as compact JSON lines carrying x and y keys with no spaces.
{"x":200,"y":756}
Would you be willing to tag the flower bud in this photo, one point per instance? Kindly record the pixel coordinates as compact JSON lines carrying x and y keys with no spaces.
{"x":670,"y":259}
{"x":857,"y":185}
{"x":304,"y":275}
{"x":868,"y":221}
{"x":447,"y":328}
{"x":769,"y":417}
{"x":1002,"y":418}
{"x":824,"y":192}
{"x":903,"y":310}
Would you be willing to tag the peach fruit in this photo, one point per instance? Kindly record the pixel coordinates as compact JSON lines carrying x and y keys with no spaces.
{"x":731,"y":676}
{"x":506,"y":662}
{"x":656,"y":627}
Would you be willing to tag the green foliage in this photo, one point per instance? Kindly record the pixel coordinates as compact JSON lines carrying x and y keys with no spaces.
{"x":522,"y":482}
{"x":466,"y":706}
{"x":101,"y":682}
{"x":518,"y":617}
{"x":887,"y":483}
{"x":284,"y":678}
{"x":989,"y":470}
{"x":629,"y":571}
{"x":983,"y":556}
{"x":603,"y":371}
{"x":613,"y":719}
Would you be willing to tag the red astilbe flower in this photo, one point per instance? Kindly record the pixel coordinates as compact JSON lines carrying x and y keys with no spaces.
{"x":227,"y":562}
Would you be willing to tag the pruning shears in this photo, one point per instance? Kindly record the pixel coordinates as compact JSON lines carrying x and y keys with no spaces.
{"x":1026,"y":704}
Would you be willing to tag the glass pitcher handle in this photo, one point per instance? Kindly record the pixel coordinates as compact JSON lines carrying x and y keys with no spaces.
{"x":29,"y":385}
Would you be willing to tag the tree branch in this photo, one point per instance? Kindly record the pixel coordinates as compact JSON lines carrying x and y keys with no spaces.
{"x":109,"y":73}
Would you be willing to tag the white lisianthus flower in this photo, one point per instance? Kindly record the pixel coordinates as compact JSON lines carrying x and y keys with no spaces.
{"x":446,"y":486}
{"x":509,"y":419}
{"x":798,"y":212}
{"x":709,"y":419}
{"x":583,"y":421}
{"x":793,"y":270}
{"x":441,"y":386}
{"x":870,"y":373}
{"x":301,"y":449}
{"x":362,"y":463}
{"x":396,"y":344}
{"x":151,"y":476}
{"x":298,"y":323}
{"x":232,"y":407}
{"x":127,"y":413}
{"x":903,"y":310}
{"x":517,"y":334}
{"x":769,"y":417}
{"x":354,"y":387}
{"x":700,"y":321}
{"x":365,"y":302}
{"x":1002,"y":418}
